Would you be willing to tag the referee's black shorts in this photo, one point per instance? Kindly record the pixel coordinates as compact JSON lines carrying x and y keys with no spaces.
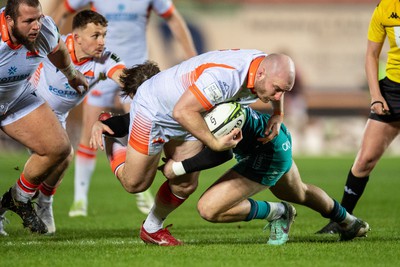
{"x":390,"y":91}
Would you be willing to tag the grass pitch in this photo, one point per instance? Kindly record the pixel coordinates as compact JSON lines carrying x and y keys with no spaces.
{"x":109,"y":235}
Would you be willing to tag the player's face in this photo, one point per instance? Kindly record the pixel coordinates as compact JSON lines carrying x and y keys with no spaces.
{"x":272,"y":87}
{"x":92,"y":40}
{"x":25,"y":29}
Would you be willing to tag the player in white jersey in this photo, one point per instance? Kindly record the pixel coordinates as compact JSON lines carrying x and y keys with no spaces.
{"x":166,"y":114}
{"x":27,"y":37}
{"x":86,"y":46}
{"x":128,"y":21}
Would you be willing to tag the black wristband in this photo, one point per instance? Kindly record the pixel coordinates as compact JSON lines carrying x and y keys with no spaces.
{"x":376,"y":102}
{"x":206,"y":159}
{"x":119,"y":124}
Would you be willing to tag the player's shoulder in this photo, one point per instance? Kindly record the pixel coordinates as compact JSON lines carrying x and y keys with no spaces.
{"x":388,"y":6}
{"x":109,"y":56}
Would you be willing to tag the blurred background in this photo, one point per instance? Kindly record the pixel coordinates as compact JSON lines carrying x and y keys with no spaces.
{"x":327,"y":110}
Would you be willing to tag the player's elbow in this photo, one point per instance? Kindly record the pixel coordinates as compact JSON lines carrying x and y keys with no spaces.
{"x":178,"y":115}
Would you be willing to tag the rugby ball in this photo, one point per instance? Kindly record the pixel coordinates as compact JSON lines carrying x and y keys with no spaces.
{"x":223,"y":118}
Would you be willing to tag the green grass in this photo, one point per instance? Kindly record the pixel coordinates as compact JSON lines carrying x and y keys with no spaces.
{"x":109,"y":235}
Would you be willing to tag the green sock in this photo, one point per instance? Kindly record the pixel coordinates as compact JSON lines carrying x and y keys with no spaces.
{"x":258,"y":210}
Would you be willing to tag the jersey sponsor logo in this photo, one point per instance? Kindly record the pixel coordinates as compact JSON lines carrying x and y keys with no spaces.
{"x":349,"y":191}
{"x":213,"y":92}
{"x":393,"y":16}
{"x":122,"y":16}
{"x":12,"y":78}
{"x":12,"y":70}
{"x":32,"y":54}
{"x":286,"y":146}
{"x":115,"y":57}
{"x":68,"y":92}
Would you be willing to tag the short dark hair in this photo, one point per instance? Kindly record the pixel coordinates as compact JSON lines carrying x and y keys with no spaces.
{"x":84,"y":17}
{"x":12,"y":7}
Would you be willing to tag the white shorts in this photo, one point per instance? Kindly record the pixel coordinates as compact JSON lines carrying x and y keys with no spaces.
{"x":27,"y":102}
{"x":150,"y":130}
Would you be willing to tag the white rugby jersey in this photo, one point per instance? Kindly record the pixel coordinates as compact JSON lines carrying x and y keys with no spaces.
{"x":17,"y":63}
{"x":214,"y":77}
{"x":127,"y":21}
{"x":53,"y":86}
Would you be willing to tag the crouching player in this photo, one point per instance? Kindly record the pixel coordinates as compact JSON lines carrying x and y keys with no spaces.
{"x":261,"y":165}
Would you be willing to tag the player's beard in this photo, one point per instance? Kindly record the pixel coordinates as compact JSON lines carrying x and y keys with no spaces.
{"x":31,"y":46}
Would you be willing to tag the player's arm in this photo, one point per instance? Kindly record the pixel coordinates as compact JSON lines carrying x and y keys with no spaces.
{"x":187,"y":112}
{"x":204,"y":160}
{"x":61,"y":60}
{"x":60,"y":14}
{"x":116,"y":75}
{"x":181,"y":33}
{"x":117,"y":126}
{"x":378,"y":102}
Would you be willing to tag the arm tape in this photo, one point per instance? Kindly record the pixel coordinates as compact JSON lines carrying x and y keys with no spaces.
{"x":206,"y":159}
{"x":119,"y":124}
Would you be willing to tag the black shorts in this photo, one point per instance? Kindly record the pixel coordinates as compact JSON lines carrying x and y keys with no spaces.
{"x":390,"y":91}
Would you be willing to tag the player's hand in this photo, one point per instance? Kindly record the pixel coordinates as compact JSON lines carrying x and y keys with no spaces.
{"x":96,"y":138}
{"x":380,"y":107}
{"x":228,"y":141}
{"x":272,"y":130}
{"x":166,"y":168}
{"x":79,"y":83}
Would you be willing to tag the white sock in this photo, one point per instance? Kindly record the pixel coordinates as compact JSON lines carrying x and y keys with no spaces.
{"x":348,"y":221}
{"x":153,"y":223}
{"x":45,"y":200}
{"x":20,"y":195}
{"x":277,"y":210}
{"x":85,"y":162}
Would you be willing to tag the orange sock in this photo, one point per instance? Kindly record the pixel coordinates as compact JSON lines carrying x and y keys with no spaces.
{"x":117,"y":158}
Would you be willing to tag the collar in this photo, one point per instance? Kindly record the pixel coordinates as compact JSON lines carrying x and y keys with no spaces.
{"x":71,"y":49}
{"x":251,"y":76}
{"x":5,"y":36}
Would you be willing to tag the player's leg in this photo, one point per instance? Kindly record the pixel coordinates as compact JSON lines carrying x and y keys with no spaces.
{"x":170,"y":195}
{"x":376,"y":139}
{"x":50,"y":146}
{"x":145,"y":199}
{"x":46,"y":192}
{"x":85,"y":160}
{"x":291,"y":188}
{"x":229,"y":200}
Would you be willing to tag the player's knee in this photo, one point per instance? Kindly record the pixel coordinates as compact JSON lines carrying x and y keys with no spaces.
{"x":207,"y":212}
{"x":133,"y":187}
{"x":184,"y":189}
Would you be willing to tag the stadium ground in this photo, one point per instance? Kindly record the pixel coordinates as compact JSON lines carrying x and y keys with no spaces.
{"x":109,"y":235}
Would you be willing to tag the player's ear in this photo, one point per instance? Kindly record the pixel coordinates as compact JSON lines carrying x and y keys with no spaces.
{"x":76,"y":37}
{"x":10,"y":21}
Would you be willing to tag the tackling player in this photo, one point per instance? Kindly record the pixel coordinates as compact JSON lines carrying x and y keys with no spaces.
{"x":259,"y":167}
{"x":166,"y":114}
{"x":27,"y":37}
